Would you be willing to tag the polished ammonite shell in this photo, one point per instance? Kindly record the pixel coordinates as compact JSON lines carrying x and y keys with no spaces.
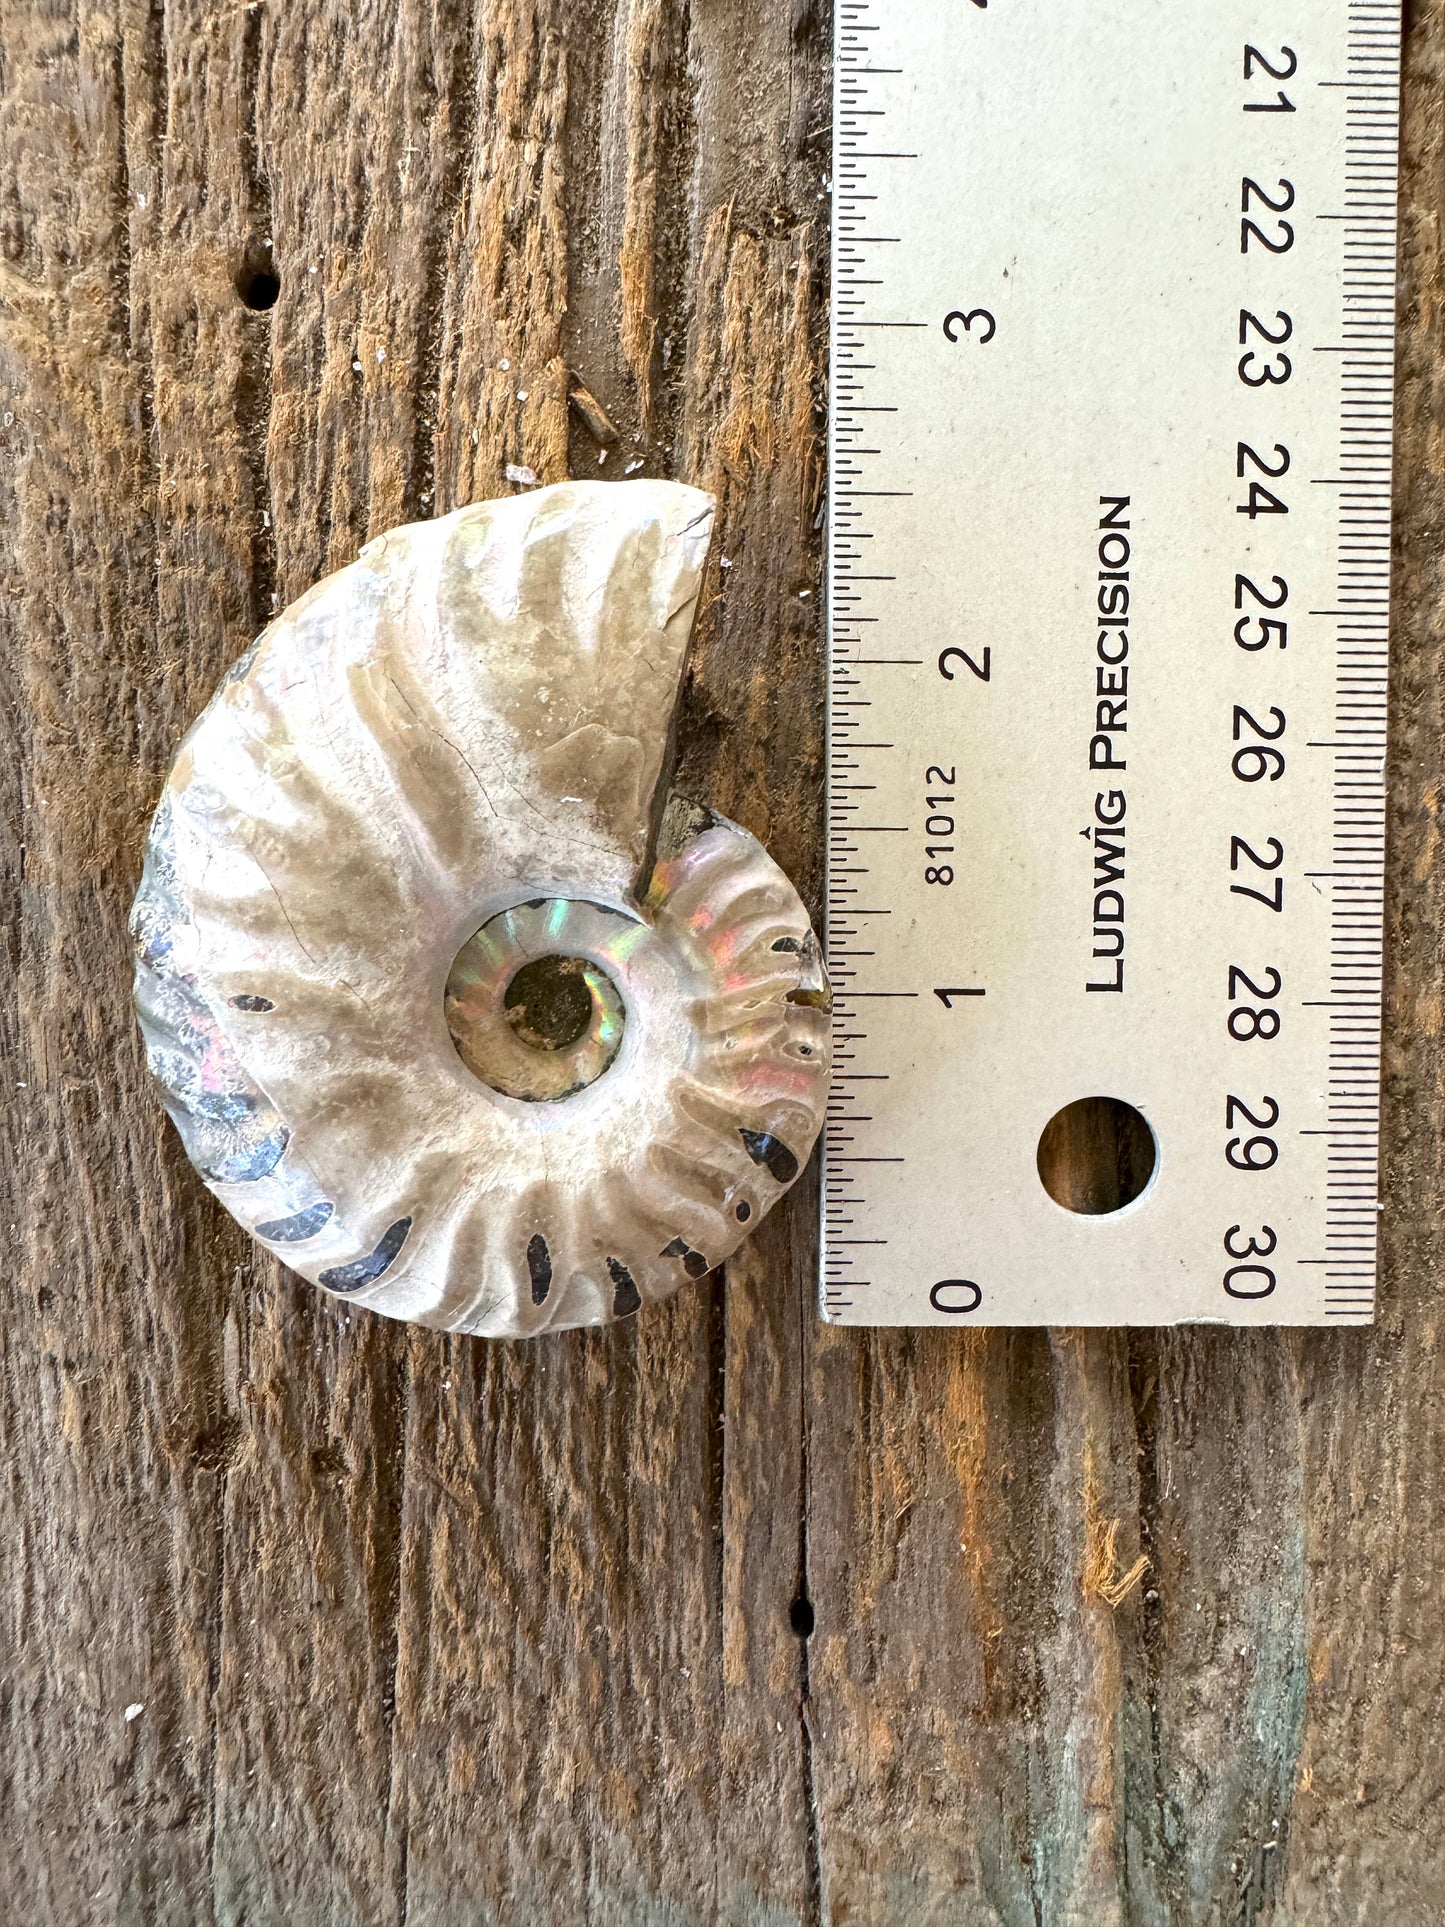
{"x":448,"y":1012}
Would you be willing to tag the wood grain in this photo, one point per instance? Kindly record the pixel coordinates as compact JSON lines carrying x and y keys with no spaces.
{"x":727,"y":1618}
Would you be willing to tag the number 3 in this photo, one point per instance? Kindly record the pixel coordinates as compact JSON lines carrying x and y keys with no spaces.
{"x":967,"y":321}
{"x":1253,"y":1248}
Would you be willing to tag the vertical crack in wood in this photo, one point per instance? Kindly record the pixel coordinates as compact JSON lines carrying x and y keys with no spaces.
{"x":153,"y":74}
{"x":715,"y":1409}
{"x":215,"y":1636}
{"x":645,"y":57}
{"x":502,"y":395}
{"x":252,"y":404}
{"x":812,"y":1828}
{"x":124,"y":325}
{"x":595,"y":128}
{"x":1160,"y":1839}
{"x":452,"y":124}
{"x":389,"y":1557}
{"x":253,"y":396}
{"x":658,"y":126}
{"x":1092,"y":1482}
{"x":1029,"y":1615}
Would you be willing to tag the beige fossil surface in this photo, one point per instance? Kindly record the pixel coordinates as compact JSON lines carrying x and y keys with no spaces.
{"x":454,"y":1008}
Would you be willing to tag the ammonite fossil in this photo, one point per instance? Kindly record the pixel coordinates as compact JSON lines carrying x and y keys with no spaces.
{"x":448,"y":1011}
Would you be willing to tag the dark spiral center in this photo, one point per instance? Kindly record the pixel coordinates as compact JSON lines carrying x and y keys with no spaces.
{"x":548,"y":1003}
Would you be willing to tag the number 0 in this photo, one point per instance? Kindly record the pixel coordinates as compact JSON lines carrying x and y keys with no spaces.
{"x":965,"y":1286}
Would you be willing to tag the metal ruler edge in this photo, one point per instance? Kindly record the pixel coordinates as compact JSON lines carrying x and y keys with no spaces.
{"x":872,"y":135}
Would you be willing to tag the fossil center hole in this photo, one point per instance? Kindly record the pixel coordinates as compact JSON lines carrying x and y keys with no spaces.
{"x":532,"y":1002}
{"x":1096,"y":1155}
{"x":549,"y":1003}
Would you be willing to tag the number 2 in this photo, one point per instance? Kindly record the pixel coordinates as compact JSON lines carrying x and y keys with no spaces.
{"x":968,"y":663}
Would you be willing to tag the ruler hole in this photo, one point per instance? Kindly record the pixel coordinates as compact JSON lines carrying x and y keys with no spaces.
{"x":1097,"y":1155}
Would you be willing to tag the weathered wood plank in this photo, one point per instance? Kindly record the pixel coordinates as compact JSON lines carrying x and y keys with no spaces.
{"x":110,"y":1397}
{"x":431,"y":1632}
{"x":1363,"y":1847}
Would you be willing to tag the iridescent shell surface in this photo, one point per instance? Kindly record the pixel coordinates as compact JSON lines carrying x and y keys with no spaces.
{"x":449,"y":1013}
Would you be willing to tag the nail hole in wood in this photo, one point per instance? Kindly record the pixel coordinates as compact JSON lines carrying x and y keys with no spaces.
{"x":258,"y":287}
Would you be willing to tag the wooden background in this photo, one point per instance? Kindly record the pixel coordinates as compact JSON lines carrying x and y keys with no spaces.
{"x":308,"y":1618}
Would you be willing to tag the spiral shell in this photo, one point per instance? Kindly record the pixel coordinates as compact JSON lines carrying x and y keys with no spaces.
{"x":432,"y":1022}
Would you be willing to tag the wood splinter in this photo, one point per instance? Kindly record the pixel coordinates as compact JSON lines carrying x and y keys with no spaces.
{"x":595,"y":418}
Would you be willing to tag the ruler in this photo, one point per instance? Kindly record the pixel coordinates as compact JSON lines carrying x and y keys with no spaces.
{"x":1112,"y":358}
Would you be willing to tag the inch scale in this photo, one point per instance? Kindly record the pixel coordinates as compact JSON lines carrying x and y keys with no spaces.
{"x":1112,"y":365}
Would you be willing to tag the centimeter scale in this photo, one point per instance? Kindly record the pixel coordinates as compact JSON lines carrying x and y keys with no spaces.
{"x":1112,"y":357}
